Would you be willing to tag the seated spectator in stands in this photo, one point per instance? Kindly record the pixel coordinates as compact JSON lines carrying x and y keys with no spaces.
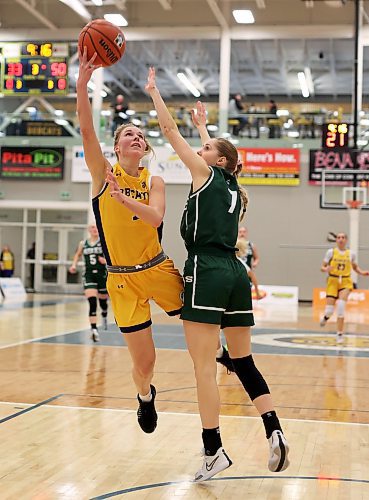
{"x":235,"y":108}
{"x":186,"y":127}
{"x":119,"y":112}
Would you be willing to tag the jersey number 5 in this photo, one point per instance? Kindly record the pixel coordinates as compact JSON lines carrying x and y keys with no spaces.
{"x":93,"y":260}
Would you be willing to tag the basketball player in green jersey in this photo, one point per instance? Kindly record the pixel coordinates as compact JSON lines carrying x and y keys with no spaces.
{"x":217,"y":289}
{"x":94,"y":278}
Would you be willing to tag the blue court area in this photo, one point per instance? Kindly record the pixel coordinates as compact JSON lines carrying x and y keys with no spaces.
{"x":264,"y":340}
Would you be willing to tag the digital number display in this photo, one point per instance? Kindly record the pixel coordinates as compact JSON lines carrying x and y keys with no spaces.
{"x":35,"y":75}
{"x":335,"y":135}
{"x":34,"y":68}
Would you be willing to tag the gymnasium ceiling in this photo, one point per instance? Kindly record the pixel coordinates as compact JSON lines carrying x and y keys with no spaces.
{"x":172,"y":35}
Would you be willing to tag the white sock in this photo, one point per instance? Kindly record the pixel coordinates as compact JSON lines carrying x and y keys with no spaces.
{"x":219,"y":352}
{"x":146,"y":398}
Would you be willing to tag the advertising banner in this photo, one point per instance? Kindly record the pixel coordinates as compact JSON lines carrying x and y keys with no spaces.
{"x":36,"y":163}
{"x":275,"y":167}
{"x":277,"y":295}
{"x":13,"y":289}
{"x":336,"y":162}
{"x":165,"y":163}
{"x":357,"y":298}
{"x":80,"y":172}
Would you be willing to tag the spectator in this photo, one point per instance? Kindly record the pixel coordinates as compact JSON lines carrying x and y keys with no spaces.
{"x":6,"y":262}
{"x":235,"y":108}
{"x":31,"y":254}
{"x":274,"y":128}
{"x":186,"y":125}
{"x":119,"y":112}
{"x":251,"y":258}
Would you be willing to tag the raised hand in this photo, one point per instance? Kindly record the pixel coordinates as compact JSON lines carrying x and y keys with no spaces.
{"x":151,"y":83}
{"x":86,"y":67}
{"x":199,"y":117}
{"x":114,"y":188}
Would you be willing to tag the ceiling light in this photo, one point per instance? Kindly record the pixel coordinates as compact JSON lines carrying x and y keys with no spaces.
{"x":303,"y":84}
{"x":97,"y":2}
{"x":243,"y":16}
{"x":116,"y":19}
{"x":189,"y":85}
{"x":309,"y":80}
{"x":78,"y":7}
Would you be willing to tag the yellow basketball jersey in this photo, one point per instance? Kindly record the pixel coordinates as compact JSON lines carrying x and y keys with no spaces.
{"x":341,"y":263}
{"x":125,"y":238}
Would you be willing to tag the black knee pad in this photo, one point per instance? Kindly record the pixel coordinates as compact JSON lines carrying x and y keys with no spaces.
{"x":250,"y":377}
{"x":104,"y":306}
{"x":93,"y":305}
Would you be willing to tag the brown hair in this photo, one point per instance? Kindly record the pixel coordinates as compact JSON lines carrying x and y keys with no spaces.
{"x":120,"y":129}
{"x":233,"y":166}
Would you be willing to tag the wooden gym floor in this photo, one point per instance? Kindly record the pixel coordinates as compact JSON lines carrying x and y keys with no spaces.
{"x":68,"y":410}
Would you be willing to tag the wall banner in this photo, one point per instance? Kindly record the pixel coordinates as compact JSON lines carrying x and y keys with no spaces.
{"x":273,"y":167}
{"x":335,"y":163}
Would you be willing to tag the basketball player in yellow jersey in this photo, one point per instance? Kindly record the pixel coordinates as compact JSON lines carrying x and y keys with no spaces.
{"x":338,"y":263}
{"x":138,"y":269}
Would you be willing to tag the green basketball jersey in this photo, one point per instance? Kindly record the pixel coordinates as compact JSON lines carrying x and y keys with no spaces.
{"x":91,"y":254}
{"x":210,"y":219}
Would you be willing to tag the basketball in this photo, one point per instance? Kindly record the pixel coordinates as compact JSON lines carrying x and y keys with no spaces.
{"x":104,"y":38}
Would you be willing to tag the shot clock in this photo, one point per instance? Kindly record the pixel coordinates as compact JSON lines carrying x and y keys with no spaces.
{"x":34,"y":68}
{"x":335,"y":136}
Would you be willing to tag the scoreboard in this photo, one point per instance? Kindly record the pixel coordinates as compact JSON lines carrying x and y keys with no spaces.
{"x":335,"y":136}
{"x":34,"y":68}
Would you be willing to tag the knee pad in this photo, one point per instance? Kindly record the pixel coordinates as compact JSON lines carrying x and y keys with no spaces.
{"x":328,"y":311}
{"x":341,"y":304}
{"x":104,"y":306}
{"x":93,"y":305}
{"x":250,"y":377}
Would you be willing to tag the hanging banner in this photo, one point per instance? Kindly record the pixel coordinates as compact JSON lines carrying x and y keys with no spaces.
{"x":335,"y":163}
{"x":32,"y":163}
{"x":165,"y":163}
{"x":275,"y":167}
{"x":80,"y":172}
{"x":169,"y":166}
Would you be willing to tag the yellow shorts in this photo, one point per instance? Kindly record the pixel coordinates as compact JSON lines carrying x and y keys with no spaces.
{"x":335,"y":285}
{"x":130,"y":294}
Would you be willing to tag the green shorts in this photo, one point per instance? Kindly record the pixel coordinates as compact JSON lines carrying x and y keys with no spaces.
{"x":96,"y":280}
{"x":217,"y":291}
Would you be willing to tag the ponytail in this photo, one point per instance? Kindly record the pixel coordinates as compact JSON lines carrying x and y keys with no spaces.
{"x":243,"y":193}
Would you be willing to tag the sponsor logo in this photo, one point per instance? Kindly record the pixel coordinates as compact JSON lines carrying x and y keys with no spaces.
{"x":109,"y":53}
{"x":120,"y":286}
{"x":119,"y":40}
{"x":210,"y":466}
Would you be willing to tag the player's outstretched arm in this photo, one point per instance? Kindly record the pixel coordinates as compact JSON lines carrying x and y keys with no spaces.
{"x":199,"y":169}
{"x":94,"y":157}
{"x":199,"y":120}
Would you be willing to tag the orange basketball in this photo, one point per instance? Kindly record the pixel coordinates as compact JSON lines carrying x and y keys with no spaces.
{"x":104,"y":38}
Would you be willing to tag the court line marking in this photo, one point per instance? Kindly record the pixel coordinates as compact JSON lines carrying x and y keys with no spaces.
{"x":227,"y":478}
{"x":31,"y":408}
{"x":124,"y":410}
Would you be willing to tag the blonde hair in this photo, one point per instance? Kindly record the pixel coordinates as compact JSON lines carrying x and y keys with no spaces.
{"x":234,"y":167}
{"x":120,"y":129}
{"x":241,"y":245}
